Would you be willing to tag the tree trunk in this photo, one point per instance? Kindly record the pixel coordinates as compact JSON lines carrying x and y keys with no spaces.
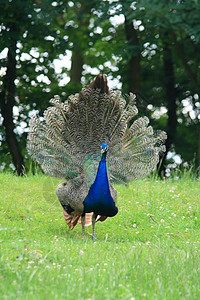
{"x":169,"y":82}
{"x":193,"y":76}
{"x":83,"y":20}
{"x":133,"y":64}
{"x":76,"y":67}
{"x":7,"y":102}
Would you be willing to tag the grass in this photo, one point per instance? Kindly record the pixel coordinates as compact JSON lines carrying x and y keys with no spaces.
{"x":150,"y":250}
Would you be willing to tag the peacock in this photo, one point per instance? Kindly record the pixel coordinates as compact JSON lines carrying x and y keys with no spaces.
{"x":93,"y":140}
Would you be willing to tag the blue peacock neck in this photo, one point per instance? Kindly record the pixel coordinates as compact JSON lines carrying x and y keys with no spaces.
{"x":99,"y":199}
{"x":101,"y":179}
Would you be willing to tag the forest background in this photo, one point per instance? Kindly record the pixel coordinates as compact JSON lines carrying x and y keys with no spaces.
{"x":148,"y":47}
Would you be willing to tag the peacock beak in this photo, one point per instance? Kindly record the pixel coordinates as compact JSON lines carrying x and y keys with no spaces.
{"x":104,"y":150}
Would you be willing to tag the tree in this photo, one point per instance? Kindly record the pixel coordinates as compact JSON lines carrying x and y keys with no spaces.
{"x":174,"y":28}
{"x":24,"y":33}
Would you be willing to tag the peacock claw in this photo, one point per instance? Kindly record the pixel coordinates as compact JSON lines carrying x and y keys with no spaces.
{"x":94,"y":237}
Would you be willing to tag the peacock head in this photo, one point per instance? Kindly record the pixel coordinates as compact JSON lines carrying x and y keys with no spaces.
{"x":104,"y":148}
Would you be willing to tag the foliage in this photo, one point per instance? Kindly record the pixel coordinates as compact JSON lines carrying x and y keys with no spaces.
{"x":33,"y":41}
{"x":49,"y":29}
{"x":26,"y":24}
{"x":181,"y":22}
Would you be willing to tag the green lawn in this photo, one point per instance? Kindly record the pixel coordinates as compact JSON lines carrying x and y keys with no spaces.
{"x":150,"y":250}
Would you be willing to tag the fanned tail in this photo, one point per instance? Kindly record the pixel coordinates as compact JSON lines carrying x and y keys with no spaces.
{"x":66,"y":143}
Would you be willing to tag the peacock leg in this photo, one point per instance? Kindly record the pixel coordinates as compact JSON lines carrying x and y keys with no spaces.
{"x":93,"y":225}
{"x":83,"y":225}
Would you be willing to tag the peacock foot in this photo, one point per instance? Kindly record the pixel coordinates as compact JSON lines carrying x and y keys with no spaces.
{"x":94,"y":237}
